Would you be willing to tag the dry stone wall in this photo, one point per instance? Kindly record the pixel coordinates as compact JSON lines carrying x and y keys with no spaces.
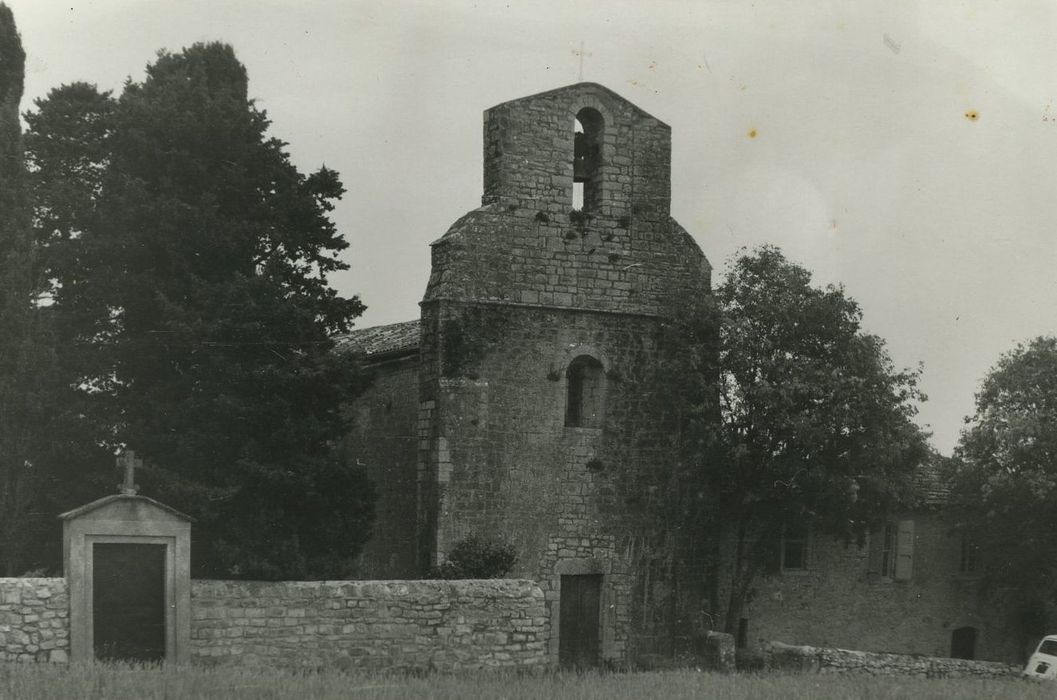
{"x":374,"y":625}
{"x":786,"y":657}
{"x":34,"y":619}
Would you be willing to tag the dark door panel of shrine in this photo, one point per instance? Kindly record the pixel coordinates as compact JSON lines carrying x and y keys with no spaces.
{"x":128,"y":601}
{"x":578,"y":621}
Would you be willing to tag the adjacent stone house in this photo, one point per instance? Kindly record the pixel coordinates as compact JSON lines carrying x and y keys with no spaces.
{"x":526,"y":404}
{"x":913,"y":587}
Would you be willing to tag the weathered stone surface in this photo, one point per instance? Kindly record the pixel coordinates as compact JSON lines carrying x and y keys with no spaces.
{"x":377,"y":625}
{"x":34,"y":619}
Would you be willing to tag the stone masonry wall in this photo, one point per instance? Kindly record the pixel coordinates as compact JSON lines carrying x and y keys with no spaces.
{"x":572,"y":500}
{"x":528,"y":153}
{"x":525,"y":257}
{"x":34,"y":619}
{"x":822,"y":660}
{"x":383,"y":443}
{"x":527,"y":245}
{"x":374,"y":625}
{"x":836,"y":602}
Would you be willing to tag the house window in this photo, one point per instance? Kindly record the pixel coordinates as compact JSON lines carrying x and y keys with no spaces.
{"x":585,"y":384}
{"x":587,"y":159}
{"x":888,"y":551}
{"x":892,"y":551}
{"x":967,"y":560}
{"x":794,"y":547}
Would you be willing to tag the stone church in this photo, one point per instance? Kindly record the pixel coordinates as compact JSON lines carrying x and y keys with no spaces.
{"x":524,"y":405}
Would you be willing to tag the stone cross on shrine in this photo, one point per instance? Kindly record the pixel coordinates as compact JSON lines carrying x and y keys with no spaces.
{"x":128,"y":462}
{"x":127,"y":562}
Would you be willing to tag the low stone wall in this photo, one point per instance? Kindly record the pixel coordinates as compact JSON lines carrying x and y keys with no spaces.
{"x":398,"y":625}
{"x":786,"y":657}
{"x":34,"y":619}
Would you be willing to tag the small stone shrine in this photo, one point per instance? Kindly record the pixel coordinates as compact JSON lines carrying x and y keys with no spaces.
{"x":127,"y":562}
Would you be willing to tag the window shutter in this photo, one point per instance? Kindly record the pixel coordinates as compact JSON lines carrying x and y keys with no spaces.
{"x":905,"y":551}
{"x":876,"y":543}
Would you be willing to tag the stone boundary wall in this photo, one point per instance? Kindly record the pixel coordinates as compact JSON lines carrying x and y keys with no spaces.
{"x":372,"y":625}
{"x":786,"y":657}
{"x":34,"y":620}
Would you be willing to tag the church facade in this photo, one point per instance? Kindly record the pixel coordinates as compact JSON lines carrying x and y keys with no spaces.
{"x":526,"y":405}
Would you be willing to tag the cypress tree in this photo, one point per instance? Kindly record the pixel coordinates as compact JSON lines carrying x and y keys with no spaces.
{"x":36,"y":426}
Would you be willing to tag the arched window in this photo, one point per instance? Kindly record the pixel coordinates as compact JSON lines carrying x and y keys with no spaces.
{"x":967,"y":561}
{"x":583,"y":406}
{"x":587,"y":159}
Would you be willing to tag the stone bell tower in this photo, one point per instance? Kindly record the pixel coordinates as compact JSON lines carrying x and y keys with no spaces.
{"x":541,"y":418}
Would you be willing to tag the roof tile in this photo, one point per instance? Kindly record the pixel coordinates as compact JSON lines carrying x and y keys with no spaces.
{"x":380,"y":340}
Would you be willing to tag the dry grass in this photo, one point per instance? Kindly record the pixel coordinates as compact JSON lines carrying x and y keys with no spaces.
{"x":40,"y":682}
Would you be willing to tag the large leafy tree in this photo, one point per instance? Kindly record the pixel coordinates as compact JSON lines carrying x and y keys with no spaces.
{"x":191,"y":262}
{"x":1006,"y":482}
{"x":794,"y":416}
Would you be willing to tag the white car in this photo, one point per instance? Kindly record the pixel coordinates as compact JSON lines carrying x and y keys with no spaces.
{"x":1043,"y":663}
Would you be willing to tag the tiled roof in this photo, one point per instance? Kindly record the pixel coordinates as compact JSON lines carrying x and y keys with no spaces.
{"x":381,"y":340}
{"x":931,"y":483}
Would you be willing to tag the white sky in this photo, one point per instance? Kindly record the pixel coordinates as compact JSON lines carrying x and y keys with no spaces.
{"x":865,"y":168}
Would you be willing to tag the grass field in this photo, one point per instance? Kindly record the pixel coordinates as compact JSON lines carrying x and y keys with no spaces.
{"x":33,"y":682}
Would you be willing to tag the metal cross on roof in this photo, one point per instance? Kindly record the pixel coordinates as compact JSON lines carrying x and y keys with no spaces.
{"x":581,"y":54}
{"x":128,"y":461}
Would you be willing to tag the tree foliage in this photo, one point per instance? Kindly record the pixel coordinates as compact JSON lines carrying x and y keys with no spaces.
{"x":797,"y":417}
{"x":1006,"y":480}
{"x":477,"y":557}
{"x":190,"y":261}
{"x":41,"y":435}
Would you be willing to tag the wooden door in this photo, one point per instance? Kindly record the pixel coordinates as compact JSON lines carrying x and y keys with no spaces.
{"x":578,"y":628}
{"x":963,"y":643}
{"x":128,"y":602}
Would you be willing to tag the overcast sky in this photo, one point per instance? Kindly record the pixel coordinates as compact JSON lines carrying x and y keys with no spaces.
{"x":909,"y":154}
